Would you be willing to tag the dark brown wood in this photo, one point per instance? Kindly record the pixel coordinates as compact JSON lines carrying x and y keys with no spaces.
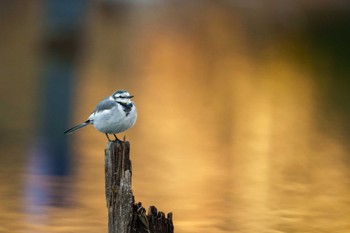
{"x":158,"y":223}
{"x":124,"y":216}
{"x":119,"y":196}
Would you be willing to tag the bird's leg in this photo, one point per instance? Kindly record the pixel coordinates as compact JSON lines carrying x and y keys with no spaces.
{"x":116,"y":139}
{"x":124,"y":138}
{"x":108,"y":137}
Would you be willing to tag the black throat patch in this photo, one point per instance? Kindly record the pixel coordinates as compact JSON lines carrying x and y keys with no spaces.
{"x":126,"y":107}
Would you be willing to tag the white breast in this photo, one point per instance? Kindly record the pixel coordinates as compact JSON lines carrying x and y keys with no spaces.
{"x":115,"y":120}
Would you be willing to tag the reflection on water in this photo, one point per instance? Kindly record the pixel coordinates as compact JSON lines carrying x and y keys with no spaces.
{"x":227,"y":139}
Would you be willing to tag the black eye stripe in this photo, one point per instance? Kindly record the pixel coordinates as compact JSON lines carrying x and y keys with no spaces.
{"x":122,"y":97}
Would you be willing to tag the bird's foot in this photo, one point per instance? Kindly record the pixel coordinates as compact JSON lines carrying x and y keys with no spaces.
{"x":108,"y":138}
{"x":116,"y":139}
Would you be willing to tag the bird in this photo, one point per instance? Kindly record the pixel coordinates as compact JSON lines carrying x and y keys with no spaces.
{"x":113,"y":115}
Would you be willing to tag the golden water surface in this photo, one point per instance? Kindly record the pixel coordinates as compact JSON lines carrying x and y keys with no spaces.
{"x":236,"y":131}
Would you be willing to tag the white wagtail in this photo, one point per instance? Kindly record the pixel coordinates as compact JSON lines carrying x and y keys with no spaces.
{"x":112,"y":115}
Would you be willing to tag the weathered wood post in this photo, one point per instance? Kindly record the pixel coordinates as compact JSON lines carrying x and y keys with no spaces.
{"x":119,"y":196}
{"x":124,"y":216}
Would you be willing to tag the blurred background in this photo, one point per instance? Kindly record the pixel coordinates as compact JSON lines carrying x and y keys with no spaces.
{"x":243,"y":109}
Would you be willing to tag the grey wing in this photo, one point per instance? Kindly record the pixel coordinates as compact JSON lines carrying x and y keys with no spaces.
{"x":105,"y":104}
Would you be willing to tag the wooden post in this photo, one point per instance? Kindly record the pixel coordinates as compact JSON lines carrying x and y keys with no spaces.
{"x":119,"y":196}
{"x":124,"y":216}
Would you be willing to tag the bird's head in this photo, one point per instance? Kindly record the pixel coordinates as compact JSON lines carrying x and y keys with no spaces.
{"x":122,"y":96}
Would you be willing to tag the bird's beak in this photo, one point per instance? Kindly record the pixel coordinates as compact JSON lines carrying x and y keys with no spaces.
{"x":130,"y":96}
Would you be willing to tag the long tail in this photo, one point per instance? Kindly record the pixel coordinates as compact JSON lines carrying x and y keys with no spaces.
{"x":71,"y":130}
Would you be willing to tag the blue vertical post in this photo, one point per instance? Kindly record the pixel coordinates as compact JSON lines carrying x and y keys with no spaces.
{"x":61,"y":43}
